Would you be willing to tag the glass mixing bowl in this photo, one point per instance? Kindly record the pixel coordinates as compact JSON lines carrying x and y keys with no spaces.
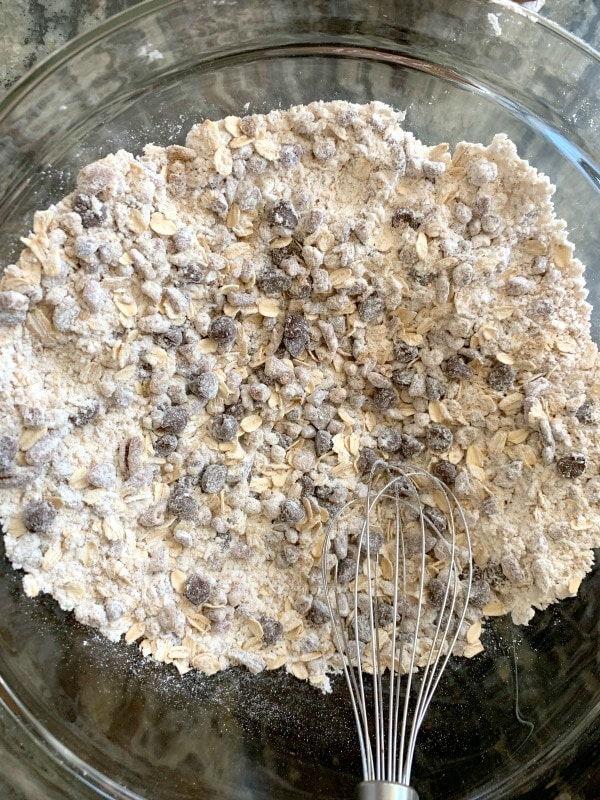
{"x":511,"y":723}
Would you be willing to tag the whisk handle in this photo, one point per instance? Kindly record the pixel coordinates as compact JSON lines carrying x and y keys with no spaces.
{"x":385,"y":790}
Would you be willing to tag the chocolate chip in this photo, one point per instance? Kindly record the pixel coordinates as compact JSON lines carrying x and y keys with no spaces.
{"x":407,"y":216}
{"x":236,"y":410}
{"x":94,"y":217}
{"x":17,"y":478}
{"x":152,"y":516}
{"x":165,"y":445}
{"x":183,"y":506}
{"x":512,"y":569}
{"x":319,"y":613}
{"x":272,"y":630}
{"x":257,"y":164}
{"x":279,"y":254}
{"x":213,"y":478}
{"x":225,"y":428}
{"x":224,"y":540}
{"x":457,"y":367}
{"x":273,"y":281}
{"x":190,"y":273}
{"x":436,"y":520}
{"x":9,"y":448}
{"x":103,"y":475}
{"x":373,"y":543}
{"x":295,"y":334}
{"x":205,"y":385}
{"x":42,"y":451}
{"x":434,"y":389}
{"x":572,"y":465}
{"x":283,"y":215}
{"x":324,"y":492}
{"x":393,"y":441}
{"x":462,"y":275}
{"x":390,"y":440}
{"x":409,"y":446}
{"x":290,"y":154}
{"x":307,"y":484}
{"x":289,"y":555}
{"x":502,"y":377}
{"x":444,"y":471}
{"x":249,"y":125}
{"x":384,"y":398}
{"x":417,"y":387}
{"x":196,"y":589}
{"x":174,"y":420}
{"x":222,"y":330}
{"x":492,"y":573}
{"x":402,"y":378}
{"x":384,"y":613}
{"x":320,"y":416}
{"x":480,"y":594}
{"x":366,"y":459}
{"x":404,"y":353}
{"x":171,"y":338}
{"x":542,"y":307}
{"x":86,"y":414}
{"x":241,"y":551}
{"x":439,"y":438}
{"x":295,"y":326}
{"x":122,"y":396}
{"x":38,"y":517}
{"x":324,"y":149}
{"x":437,"y":591}
{"x":13,"y":307}
{"x":115,"y":609}
{"x":283,"y":440}
{"x":90,"y":209}
{"x":323,"y":442}
{"x":370,"y":308}
{"x":314,"y":220}
{"x":363,"y":631}
{"x":585,"y":413}
{"x":177,"y":393}
{"x":422,"y":277}
{"x":292,"y":511}
{"x":346,"y":570}
{"x":490,"y":507}
{"x":81,"y":203}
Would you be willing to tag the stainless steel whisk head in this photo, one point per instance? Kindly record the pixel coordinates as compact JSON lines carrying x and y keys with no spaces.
{"x":383,"y":619}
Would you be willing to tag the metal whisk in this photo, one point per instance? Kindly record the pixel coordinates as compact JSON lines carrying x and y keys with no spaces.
{"x":383,"y":628}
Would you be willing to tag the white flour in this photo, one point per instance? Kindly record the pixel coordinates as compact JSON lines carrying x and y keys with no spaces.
{"x":201,"y":348}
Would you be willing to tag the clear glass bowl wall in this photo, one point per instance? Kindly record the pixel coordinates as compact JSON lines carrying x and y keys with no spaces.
{"x":117,"y":725}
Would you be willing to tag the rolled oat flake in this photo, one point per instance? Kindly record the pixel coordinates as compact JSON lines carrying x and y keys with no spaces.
{"x":205,"y":349}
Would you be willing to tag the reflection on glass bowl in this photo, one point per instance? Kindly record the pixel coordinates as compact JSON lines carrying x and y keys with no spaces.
{"x":127,"y":727}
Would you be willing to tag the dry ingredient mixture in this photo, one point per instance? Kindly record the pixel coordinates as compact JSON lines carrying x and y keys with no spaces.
{"x":203,"y":350}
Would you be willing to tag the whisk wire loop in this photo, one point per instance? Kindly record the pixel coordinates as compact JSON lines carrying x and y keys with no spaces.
{"x":387,"y":740}
{"x":342,"y":643}
{"x":395,"y":677}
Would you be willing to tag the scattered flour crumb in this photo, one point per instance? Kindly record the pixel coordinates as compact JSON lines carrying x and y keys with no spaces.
{"x":494,"y":24}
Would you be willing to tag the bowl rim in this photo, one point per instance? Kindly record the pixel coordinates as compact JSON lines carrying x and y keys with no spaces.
{"x":80,"y":42}
{"x":58,"y":753}
{"x":99,"y":783}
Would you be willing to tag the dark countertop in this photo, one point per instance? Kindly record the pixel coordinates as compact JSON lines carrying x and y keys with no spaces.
{"x":31,"y":30}
{"x":34,"y":28}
